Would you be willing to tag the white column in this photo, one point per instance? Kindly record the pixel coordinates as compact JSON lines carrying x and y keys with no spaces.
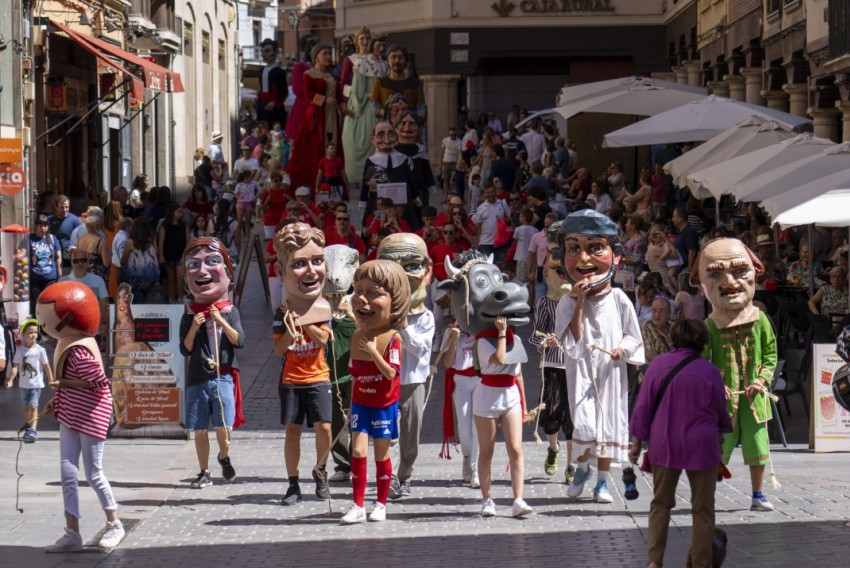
{"x":777,"y":100}
{"x":719,"y":88}
{"x":825,"y":121}
{"x":798,"y":95}
{"x":693,"y":70}
{"x":737,"y":87}
{"x":753,"y":78}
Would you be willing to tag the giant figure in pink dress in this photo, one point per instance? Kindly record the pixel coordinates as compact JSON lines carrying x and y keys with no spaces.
{"x":302,"y":102}
{"x":320,"y":124}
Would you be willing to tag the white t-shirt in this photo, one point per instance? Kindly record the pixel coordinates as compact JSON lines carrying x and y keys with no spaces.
{"x":245,"y":164}
{"x":486,"y":349}
{"x":463,"y":355}
{"x":522,"y":236}
{"x":487,"y":218}
{"x":31,"y":362}
{"x":452,"y":149}
{"x":535,"y":145}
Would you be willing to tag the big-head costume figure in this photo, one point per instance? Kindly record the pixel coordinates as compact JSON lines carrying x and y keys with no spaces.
{"x":69,"y":312}
{"x":595,"y":314}
{"x":743,"y":346}
{"x":411,"y":253}
{"x":487,"y":307}
{"x":341,"y":262}
{"x":302,"y":329}
{"x":210,"y":334}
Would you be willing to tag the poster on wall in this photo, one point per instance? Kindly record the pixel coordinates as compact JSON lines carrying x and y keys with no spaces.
{"x":831,"y":421}
{"x":147,"y":369}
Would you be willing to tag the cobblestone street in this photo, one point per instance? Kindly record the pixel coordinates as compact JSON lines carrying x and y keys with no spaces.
{"x":244,"y":524}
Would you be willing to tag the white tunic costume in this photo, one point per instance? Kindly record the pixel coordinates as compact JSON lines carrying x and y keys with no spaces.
{"x":609,"y":321}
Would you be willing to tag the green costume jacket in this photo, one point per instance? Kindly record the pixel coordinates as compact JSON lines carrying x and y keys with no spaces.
{"x":744,"y":353}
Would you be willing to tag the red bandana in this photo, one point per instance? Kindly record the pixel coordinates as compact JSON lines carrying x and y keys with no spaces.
{"x":205,"y":308}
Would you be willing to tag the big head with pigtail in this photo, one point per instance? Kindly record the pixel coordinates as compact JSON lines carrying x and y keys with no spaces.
{"x":301,"y":268}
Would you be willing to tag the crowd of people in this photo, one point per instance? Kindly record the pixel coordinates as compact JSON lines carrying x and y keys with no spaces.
{"x":582,"y":248}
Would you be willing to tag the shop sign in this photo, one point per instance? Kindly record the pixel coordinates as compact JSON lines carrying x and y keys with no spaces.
{"x":12,"y":179}
{"x":57,"y":98}
{"x":11,"y":150}
{"x":505,"y":7}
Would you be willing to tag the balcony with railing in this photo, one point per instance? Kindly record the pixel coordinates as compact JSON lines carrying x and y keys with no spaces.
{"x":839,"y":28}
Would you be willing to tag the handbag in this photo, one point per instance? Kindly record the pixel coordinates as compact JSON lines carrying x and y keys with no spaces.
{"x":646,"y":465}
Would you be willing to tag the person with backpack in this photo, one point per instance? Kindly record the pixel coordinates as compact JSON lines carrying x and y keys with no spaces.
{"x":44,"y":253}
{"x":140,"y":262}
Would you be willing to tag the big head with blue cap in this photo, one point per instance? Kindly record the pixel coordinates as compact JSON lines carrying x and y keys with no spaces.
{"x":589,"y":249}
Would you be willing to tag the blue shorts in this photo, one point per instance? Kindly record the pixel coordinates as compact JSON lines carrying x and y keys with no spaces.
{"x":203,"y":405}
{"x":376,"y":422}
{"x":29,"y":397}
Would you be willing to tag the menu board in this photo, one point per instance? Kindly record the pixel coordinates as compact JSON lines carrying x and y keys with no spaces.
{"x":831,"y":423}
{"x":147,"y":369}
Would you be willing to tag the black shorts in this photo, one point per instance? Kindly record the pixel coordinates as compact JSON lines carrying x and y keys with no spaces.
{"x":315,"y":402}
{"x":556,"y":415}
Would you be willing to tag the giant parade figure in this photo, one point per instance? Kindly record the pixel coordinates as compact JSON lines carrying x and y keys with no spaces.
{"x":743,"y":346}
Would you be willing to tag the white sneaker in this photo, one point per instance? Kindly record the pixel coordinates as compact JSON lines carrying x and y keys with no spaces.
{"x":71,"y":541}
{"x":474,"y":481}
{"x":520,"y":508}
{"x":379,"y":513}
{"x":354,"y":515}
{"x":488,"y":509}
{"x":113,"y":535}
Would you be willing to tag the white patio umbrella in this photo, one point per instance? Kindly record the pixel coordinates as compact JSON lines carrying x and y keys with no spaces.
{"x":783,"y":201}
{"x":794,"y":176}
{"x":642,"y":100}
{"x":752,"y":133}
{"x":719,"y":178}
{"x":831,"y":209}
{"x":582,"y":91}
{"x":698,"y":120}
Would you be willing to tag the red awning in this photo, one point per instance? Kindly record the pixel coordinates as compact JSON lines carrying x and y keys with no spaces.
{"x":136,"y":87}
{"x":154,"y":77}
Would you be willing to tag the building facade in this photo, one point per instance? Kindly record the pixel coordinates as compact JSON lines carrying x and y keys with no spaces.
{"x":476,"y":56}
{"x":98,"y":91}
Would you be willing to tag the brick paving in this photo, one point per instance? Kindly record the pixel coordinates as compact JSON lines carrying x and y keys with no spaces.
{"x":243,"y":523}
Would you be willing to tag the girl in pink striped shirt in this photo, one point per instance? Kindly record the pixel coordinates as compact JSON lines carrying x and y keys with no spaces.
{"x":69,"y":312}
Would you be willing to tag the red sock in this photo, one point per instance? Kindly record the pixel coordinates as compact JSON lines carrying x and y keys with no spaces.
{"x":384,"y":475}
{"x":358,"y":479}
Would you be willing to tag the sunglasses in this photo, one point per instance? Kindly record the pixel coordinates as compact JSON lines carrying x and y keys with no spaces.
{"x":512,"y":199}
{"x":80,"y":261}
{"x":448,"y":232}
{"x":343,"y":219}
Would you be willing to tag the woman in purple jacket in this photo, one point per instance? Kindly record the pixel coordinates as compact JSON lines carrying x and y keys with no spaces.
{"x":684,"y":430}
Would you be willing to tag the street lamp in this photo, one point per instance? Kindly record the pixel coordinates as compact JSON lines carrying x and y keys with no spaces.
{"x":294,"y":18}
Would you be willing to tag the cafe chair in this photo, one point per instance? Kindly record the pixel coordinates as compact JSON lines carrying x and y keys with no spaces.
{"x":795,"y":371}
{"x":822,"y":329}
{"x":794,"y":323}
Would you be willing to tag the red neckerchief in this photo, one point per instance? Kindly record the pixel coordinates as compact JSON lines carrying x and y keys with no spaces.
{"x":205,"y":308}
{"x":494,"y":333}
